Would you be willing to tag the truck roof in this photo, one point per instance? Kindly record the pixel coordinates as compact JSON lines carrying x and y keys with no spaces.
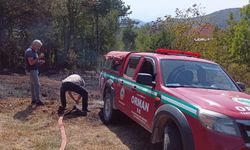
{"x":117,"y":55}
{"x":176,"y":57}
{"x":121,"y":55}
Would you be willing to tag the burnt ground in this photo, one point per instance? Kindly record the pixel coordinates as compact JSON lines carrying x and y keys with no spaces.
{"x":25,"y":127}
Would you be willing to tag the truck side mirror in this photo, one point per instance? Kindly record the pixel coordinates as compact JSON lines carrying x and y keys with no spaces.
{"x":145,"y":78}
{"x":241,"y":85}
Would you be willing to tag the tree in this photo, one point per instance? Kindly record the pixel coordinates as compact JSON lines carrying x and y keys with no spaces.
{"x":89,"y":27}
{"x":183,"y":27}
{"x":245,"y":13}
{"x":240,"y":49}
{"x":16,"y":20}
{"x":129,"y":34}
{"x":155,"y":35}
{"x":143,"y":38}
{"x":101,"y":9}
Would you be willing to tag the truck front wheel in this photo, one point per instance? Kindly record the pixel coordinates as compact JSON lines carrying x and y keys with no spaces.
{"x":108,"y":108}
{"x":172,"y":138}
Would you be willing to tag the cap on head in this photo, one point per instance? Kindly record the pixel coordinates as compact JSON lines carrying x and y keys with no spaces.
{"x":37,"y":42}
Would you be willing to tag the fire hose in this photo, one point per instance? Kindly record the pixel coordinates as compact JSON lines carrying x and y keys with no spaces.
{"x":61,"y":125}
{"x":63,"y":134}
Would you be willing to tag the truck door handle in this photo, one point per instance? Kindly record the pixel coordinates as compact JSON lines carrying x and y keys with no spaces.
{"x":134,"y":88}
{"x":121,"y":82}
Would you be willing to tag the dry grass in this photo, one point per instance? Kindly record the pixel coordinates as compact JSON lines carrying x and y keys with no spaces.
{"x":248,"y":90}
{"x":23,"y":127}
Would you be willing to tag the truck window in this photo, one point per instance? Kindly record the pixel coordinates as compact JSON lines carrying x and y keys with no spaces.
{"x":107,"y":64}
{"x":112,"y":64}
{"x":131,"y":67}
{"x":148,"y":67}
{"x":181,"y":73}
{"x":116,"y":65}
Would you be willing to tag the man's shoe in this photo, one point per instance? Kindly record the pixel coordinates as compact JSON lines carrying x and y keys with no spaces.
{"x":84,"y":113}
{"x":39,"y":103}
{"x":81,"y":113}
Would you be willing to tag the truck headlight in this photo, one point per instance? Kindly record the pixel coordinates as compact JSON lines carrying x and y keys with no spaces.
{"x":218,"y":122}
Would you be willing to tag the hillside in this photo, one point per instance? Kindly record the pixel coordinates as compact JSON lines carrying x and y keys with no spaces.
{"x":220,"y":18}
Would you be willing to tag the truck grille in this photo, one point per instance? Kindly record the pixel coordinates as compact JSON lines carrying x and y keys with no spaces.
{"x":244,"y":126}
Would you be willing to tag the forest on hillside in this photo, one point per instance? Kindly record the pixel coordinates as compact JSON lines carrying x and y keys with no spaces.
{"x":76,"y":33}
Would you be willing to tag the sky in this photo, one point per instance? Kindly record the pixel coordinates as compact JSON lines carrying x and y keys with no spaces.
{"x":150,"y":10}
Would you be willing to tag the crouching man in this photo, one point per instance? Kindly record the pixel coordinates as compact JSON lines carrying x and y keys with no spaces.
{"x":73,"y":83}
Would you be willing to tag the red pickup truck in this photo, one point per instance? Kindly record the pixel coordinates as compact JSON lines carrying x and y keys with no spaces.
{"x":185,"y":102}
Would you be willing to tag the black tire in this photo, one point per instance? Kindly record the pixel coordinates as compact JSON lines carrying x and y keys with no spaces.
{"x":108,"y":112}
{"x":172,"y":138}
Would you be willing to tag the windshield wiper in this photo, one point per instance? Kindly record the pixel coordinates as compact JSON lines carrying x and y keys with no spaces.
{"x":191,"y":86}
{"x":215,"y":88}
{"x":179,"y":85}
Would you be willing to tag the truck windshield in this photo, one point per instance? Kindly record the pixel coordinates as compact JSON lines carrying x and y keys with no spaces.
{"x":191,"y":74}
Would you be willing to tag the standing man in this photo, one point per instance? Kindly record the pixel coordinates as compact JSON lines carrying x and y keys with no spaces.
{"x":32,"y":62}
{"x":74,"y":83}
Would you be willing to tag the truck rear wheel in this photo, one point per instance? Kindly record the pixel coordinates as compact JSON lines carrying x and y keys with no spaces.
{"x":172,"y":138}
{"x":108,"y":111}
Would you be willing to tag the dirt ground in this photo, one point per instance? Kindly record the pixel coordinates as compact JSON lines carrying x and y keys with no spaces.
{"x":25,"y":127}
